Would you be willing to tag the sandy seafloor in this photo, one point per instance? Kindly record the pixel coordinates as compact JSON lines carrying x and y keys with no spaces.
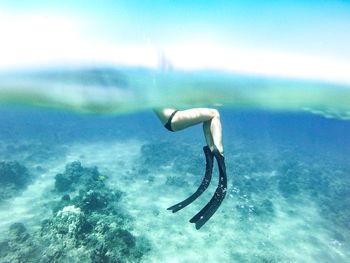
{"x":289,"y":181}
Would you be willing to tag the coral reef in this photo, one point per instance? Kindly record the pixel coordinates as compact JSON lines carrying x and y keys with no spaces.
{"x":19,"y":246}
{"x":14,"y":178}
{"x":88,"y":225}
{"x":76,"y":176}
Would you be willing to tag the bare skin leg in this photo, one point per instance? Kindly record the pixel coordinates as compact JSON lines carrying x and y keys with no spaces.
{"x":186,"y":118}
{"x":213,"y":136}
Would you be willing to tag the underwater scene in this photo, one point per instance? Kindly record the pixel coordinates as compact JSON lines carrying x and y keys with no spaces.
{"x":89,"y":171}
{"x":91,"y":188}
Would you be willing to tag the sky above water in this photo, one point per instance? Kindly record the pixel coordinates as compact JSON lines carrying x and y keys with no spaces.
{"x":258,"y":36}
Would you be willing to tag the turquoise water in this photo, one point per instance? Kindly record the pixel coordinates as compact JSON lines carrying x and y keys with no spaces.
{"x":87,"y":171}
{"x":95,"y":187}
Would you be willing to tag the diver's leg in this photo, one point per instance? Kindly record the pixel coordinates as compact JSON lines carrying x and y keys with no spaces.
{"x":208,"y":169}
{"x":207,"y":135}
{"x":213,"y":134}
{"x":216,"y":132}
{"x":210,"y":117}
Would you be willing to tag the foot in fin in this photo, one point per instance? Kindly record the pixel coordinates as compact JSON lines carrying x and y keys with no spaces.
{"x":204,"y":185}
{"x":208,"y":211}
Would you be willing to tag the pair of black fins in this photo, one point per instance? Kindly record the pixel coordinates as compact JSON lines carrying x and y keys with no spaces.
{"x":210,"y":208}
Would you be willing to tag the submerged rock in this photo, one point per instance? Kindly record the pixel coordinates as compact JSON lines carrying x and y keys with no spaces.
{"x":86,"y":227}
{"x":76,"y":175}
{"x":99,"y":237}
{"x":93,"y":195}
{"x":18,"y":232}
{"x":101,"y":200}
{"x":19,"y":246}
{"x":14,"y":178}
{"x":69,"y":224}
{"x":99,"y":254}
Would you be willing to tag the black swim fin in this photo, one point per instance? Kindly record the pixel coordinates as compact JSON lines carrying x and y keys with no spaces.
{"x":204,"y":185}
{"x":208,"y":211}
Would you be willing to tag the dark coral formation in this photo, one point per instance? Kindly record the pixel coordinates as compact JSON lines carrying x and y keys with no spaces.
{"x":77,"y":176}
{"x":19,"y":246}
{"x":88,"y":225}
{"x":14,"y":178}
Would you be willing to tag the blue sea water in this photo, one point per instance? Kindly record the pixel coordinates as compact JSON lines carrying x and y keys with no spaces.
{"x":288,"y":192}
{"x":87,"y":171}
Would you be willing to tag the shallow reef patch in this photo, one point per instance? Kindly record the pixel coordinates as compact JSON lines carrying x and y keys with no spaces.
{"x":88,"y":224}
{"x":14,"y":178}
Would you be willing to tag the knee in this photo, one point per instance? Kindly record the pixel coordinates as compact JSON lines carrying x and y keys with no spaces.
{"x":214,"y":113}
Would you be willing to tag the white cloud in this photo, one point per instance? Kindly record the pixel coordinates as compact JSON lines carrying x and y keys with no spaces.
{"x":260,"y":62}
{"x":40,"y":39}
